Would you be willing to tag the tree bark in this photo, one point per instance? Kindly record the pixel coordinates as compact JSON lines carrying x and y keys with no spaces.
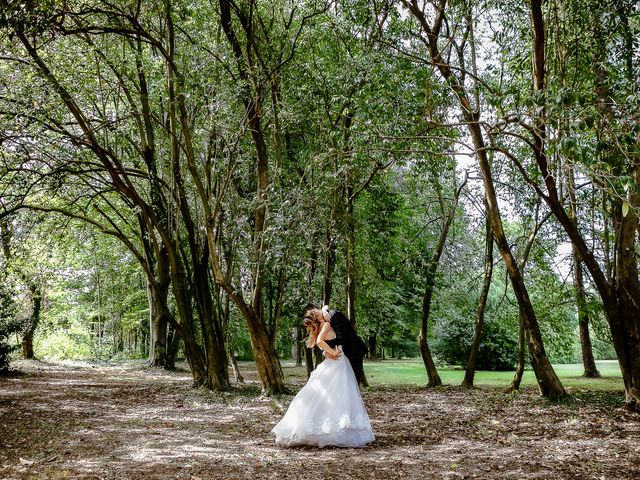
{"x":523,"y":340}
{"x":296,"y":353}
{"x":262,"y":343}
{"x":482,"y":303}
{"x":373,"y":346}
{"x":157,"y":327}
{"x":34,"y":321}
{"x":432,"y":268}
{"x":588,"y":361}
{"x":236,"y":369}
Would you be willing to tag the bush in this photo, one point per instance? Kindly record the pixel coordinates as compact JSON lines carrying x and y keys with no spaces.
{"x":9,"y":324}
{"x":498,"y":349}
{"x":61,"y":345}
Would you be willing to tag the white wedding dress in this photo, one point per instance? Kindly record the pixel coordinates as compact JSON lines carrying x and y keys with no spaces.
{"x":328,"y":410}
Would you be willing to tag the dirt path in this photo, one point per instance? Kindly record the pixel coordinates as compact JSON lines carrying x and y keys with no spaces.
{"x":129,"y":422}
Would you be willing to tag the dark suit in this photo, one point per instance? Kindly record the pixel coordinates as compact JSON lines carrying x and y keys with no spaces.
{"x":352,"y":345}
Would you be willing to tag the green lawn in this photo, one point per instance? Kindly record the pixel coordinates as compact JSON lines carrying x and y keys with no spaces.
{"x":412,"y":372}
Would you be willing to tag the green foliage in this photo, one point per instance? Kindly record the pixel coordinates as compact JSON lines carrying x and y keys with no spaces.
{"x":498,"y":349}
{"x":66,"y":344}
{"x":9,"y":324}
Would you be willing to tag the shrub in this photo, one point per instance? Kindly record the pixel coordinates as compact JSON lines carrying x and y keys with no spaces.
{"x":9,"y":324}
{"x":452,"y":343}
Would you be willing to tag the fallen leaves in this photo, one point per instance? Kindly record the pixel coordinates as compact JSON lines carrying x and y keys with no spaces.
{"x":108,"y":422}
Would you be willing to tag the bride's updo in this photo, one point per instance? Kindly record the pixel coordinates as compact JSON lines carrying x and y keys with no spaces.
{"x":311,"y":321}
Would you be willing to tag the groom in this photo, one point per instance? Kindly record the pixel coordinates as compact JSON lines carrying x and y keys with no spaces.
{"x":352,"y":345}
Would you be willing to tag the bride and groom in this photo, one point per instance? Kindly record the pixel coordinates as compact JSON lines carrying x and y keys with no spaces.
{"x":329,"y":410}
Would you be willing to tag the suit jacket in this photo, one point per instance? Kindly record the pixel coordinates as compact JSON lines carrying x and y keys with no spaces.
{"x":352,"y":345}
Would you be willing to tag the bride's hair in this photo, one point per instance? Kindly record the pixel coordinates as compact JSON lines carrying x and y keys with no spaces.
{"x":312,"y":324}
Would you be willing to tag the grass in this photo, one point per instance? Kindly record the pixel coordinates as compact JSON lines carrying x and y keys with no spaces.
{"x":412,"y":372}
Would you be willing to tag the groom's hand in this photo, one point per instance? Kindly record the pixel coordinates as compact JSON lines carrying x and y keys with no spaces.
{"x":332,"y":355}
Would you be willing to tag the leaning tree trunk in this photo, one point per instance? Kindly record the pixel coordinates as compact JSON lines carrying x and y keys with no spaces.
{"x":626,"y":330}
{"x":588,"y":361}
{"x":590,"y":369}
{"x":548,"y":382}
{"x":482,"y":303}
{"x":432,"y":372}
{"x":267,"y":363}
{"x":523,"y":340}
{"x":432,"y":268}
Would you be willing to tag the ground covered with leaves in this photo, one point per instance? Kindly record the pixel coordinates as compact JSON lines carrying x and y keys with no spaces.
{"x":83,"y":421}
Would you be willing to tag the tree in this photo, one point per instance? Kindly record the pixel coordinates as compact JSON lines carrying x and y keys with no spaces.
{"x":470,"y":109}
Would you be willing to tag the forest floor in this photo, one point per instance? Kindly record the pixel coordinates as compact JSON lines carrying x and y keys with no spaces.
{"x":90,"y":421}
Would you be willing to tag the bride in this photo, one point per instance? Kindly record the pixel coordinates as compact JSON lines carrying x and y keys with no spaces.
{"x":328,"y":410}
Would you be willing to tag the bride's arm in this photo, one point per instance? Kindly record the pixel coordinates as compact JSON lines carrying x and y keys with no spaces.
{"x":324,"y":346}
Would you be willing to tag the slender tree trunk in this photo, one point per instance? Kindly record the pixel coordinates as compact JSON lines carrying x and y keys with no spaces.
{"x":590,"y":369}
{"x":350,"y":256}
{"x":173,"y":344}
{"x":214,"y":335}
{"x":548,"y":382}
{"x":236,"y":370}
{"x":523,"y":340}
{"x":432,"y":372}
{"x":619,"y":295}
{"x":269,"y":368}
{"x":482,"y":303}
{"x":296,"y":349}
{"x":330,"y":266}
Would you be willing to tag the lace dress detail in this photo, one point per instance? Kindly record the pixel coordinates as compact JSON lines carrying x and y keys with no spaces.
{"x":328,"y":410}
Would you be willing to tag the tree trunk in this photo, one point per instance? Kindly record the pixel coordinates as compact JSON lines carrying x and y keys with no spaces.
{"x":373,"y":346}
{"x":269,"y":368}
{"x":590,"y":369}
{"x":548,"y":382}
{"x":308,"y":360}
{"x":213,"y":332}
{"x":296,"y":349}
{"x":157,"y":326}
{"x":173,"y":344}
{"x":432,"y":372}
{"x":350,"y":257}
{"x":34,"y":320}
{"x":625,"y":328}
{"x":27,"y":346}
{"x":425,"y":351}
{"x":620,"y":296}
{"x":236,"y":370}
{"x":330,"y":266}
{"x":482,"y":303}
{"x":523,"y":340}
{"x":264,"y":353}
{"x":193,"y":352}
